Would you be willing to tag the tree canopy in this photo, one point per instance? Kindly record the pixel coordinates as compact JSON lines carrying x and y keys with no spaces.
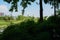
{"x":14,"y":4}
{"x":25,"y":3}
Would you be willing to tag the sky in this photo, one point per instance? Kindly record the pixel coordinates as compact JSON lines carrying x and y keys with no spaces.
{"x":31,"y":10}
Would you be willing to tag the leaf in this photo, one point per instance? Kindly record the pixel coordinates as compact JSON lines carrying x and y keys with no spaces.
{"x":46,"y":1}
{"x":8,"y":1}
{"x":32,"y":0}
{"x":29,"y":3}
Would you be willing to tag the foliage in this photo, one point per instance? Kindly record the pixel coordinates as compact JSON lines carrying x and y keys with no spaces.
{"x":27,"y":30}
{"x":6,"y":18}
{"x":1,"y":18}
{"x":31,"y":30}
{"x":54,"y":19}
{"x":58,"y":12}
{"x":20,"y":17}
{"x":23,"y":3}
{"x":54,"y":2}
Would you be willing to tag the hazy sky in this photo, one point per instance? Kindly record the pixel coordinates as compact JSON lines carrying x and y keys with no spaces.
{"x":31,"y":10}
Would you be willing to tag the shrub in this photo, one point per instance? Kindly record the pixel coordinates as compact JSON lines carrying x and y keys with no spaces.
{"x":54,"y":19}
{"x":31,"y":30}
{"x":27,"y":30}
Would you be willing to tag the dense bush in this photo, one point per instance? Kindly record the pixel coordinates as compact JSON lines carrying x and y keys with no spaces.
{"x":28,"y":30}
{"x":55,"y":22}
{"x":31,"y":30}
{"x":54,"y":19}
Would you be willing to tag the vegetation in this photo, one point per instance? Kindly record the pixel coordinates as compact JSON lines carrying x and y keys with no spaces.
{"x":55,"y":4}
{"x":24,"y":4}
{"x":20,"y":18}
{"x":31,"y":28}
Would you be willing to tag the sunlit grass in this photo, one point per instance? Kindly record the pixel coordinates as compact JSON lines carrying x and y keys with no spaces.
{"x":4,"y":24}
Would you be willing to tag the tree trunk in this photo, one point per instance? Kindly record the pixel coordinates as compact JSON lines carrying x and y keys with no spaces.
{"x":54,"y":8}
{"x":41,"y":11}
{"x":23,"y":12}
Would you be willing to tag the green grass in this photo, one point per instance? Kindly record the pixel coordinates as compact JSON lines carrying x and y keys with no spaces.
{"x":2,"y":22}
{"x":8,"y":22}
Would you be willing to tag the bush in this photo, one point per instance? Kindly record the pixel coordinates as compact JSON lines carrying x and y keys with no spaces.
{"x":54,"y":19}
{"x":54,"y":22}
{"x":30,"y":30}
{"x":27,"y":30}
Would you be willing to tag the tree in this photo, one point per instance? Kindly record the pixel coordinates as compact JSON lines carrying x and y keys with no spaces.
{"x":55,"y":4}
{"x":24,"y":4}
{"x":41,"y":11}
{"x":41,"y":7}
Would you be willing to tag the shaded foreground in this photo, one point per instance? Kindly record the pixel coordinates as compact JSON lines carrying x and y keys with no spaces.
{"x":31,"y":30}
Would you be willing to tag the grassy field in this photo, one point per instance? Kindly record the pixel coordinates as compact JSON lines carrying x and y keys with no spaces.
{"x":3,"y":23}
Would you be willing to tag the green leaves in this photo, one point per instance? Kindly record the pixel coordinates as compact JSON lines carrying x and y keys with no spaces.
{"x":8,"y":1}
{"x":25,"y":4}
{"x":14,"y":4}
{"x":29,"y":3}
{"x":46,"y":1}
{"x":32,"y":0}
